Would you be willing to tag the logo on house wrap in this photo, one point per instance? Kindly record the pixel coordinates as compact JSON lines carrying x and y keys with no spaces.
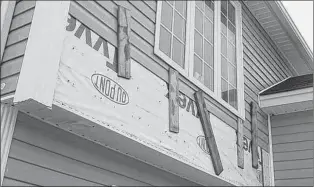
{"x":110,"y":89}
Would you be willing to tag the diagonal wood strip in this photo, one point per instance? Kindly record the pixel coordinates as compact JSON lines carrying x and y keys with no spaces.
{"x":240,"y":150}
{"x":124,"y":46}
{"x":173,"y":103}
{"x":208,"y":131}
{"x":254,"y":135}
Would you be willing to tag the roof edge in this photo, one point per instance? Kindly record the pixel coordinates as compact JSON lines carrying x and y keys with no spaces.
{"x":292,"y":30}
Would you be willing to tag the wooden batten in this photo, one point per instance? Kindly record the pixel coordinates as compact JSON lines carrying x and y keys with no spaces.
{"x":124,"y":48}
{"x":254,"y":135}
{"x":240,"y":150}
{"x":208,"y":131}
{"x":8,"y":119}
{"x":173,"y":102}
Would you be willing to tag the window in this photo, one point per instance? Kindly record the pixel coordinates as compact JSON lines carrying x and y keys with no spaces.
{"x":202,"y":40}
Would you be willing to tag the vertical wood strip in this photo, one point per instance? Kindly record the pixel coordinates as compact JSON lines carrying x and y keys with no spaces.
{"x":208,"y":131}
{"x":266,"y":169}
{"x":8,"y":119}
{"x":240,"y":150}
{"x":173,"y":102}
{"x":124,"y":48}
{"x":254,"y":135}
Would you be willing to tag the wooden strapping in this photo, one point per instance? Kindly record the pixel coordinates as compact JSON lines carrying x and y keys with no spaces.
{"x":254,"y":135}
{"x":124,"y":48}
{"x":173,"y":103}
{"x":208,"y":131}
{"x":266,"y":169}
{"x":240,"y":150}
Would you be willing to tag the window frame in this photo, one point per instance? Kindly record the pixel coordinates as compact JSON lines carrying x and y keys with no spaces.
{"x":187,"y":72}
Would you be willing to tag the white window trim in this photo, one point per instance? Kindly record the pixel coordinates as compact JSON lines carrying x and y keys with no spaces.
{"x":188,"y":71}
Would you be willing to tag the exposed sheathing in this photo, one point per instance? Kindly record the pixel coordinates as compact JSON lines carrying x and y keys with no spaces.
{"x":15,"y":47}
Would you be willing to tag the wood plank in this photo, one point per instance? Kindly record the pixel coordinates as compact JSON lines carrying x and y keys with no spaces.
{"x":240,"y":150}
{"x":254,"y":136}
{"x":22,"y":19}
{"x":151,"y":4}
{"x":173,"y":103}
{"x":20,"y":170}
{"x":124,"y":51}
{"x":293,"y":155}
{"x":293,"y":146}
{"x":11,"y":67}
{"x":146,"y":10}
{"x":295,"y":182}
{"x":295,"y":164}
{"x":297,"y":137}
{"x":208,"y":132}
{"x":8,"y":182}
{"x":47,"y":159}
{"x":292,"y":119}
{"x":299,"y":173}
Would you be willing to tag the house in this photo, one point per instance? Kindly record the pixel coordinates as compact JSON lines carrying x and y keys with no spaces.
{"x":154,"y":93}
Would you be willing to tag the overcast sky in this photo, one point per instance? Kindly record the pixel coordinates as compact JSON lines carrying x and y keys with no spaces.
{"x":302,"y":14}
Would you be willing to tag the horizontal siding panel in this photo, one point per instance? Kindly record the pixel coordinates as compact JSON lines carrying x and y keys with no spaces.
{"x":8,"y":182}
{"x":307,"y":127}
{"x":37,"y":175}
{"x":151,"y":4}
{"x":40,"y":134}
{"x":10,"y":84}
{"x":294,"y":155}
{"x":22,"y":19}
{"x":18,"y":35}
{"x":298,"y":137}
{"x":292,"y":119}
{"x":294,"y":146}
{"x":14,"y":51}
{"x":145,"y":9}
{"x":11,"y":67}
{"x":295,"y":182}
{"x":290,"y":165}
{"x":301,"y":173}
{"x":23,"y":6}
{"x":65,"y":165}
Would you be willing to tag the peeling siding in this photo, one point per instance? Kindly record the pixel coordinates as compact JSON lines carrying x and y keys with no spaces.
{"x":16,"y":44}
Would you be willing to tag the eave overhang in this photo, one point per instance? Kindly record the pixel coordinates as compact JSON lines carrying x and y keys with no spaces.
{"x":277,"y":23}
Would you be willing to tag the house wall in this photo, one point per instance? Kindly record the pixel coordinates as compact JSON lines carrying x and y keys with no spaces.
{"x":263,"y":65}
{"x":15,"y":46}
{"x":44,"y":155}
{"x":293,"y":141}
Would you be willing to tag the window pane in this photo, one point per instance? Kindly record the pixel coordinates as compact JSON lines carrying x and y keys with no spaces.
{"x":209,"y":12}
{"x":209,"y":4}
{"x":198,"y":44}
{"x":165,"y":41}
{"x":224,"y":68}
{"x":231,"y":33}
{"x":223,"y":24}
{"x":198,"y":68}
{"x":200,"y":4}
{"x":224,"y":7}
{"x":208,"y":77}
{"x":223,"y":45}
{"x":224,"y":90}
{"x":232,"y":75}
{"x":231,"y":13}
{"x":166,"y":15}
{"x":171,"y":2}
{"x":178,"y":52}
{"x":209,"y":30}
{"x":231,"y":53}
{"x":199,"y":20}
{"x":179,"y":26}
{"x":233,"y":97}
{"x":181,"y":7}
{"x":208,"y":53}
